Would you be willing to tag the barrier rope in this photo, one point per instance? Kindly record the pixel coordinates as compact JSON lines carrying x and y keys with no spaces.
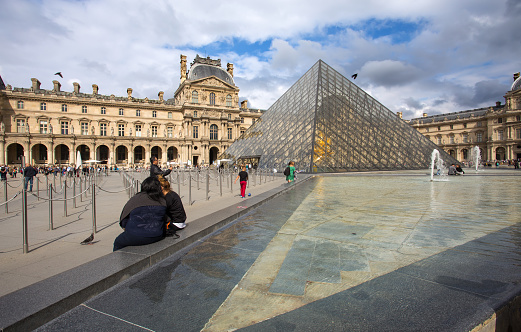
{"x":58,"y":199}
{"x":114,"y":192}
{"x":4,"y":203}
{"x":14,"y":186}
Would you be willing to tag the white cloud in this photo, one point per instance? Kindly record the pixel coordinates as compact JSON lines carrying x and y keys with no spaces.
{"x":465,"y":52}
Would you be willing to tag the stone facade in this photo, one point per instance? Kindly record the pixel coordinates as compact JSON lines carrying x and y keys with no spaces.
{"x":195,"y":126}
{"x":495,"y":130}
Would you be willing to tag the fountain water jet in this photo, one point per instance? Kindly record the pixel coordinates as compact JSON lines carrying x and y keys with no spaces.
{"x":438,"y":162}
{"x":476,"y":156}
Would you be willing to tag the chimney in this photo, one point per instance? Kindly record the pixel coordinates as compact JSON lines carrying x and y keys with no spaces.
{"x":516,"y":76}
{"x":229,"y":69}
{"x":399,"y":114}
{"x":36,"y":84}
{"x":129,"y":93}
{"x":424,"y":115}
{"x":76,"y":87}
{"x":94,"y":89}
{"x":244,"y":104}
{"x":183,"y":68}
{"x":160,"y":95}
{"x":498,"y":103}
{"x":57,"y":86}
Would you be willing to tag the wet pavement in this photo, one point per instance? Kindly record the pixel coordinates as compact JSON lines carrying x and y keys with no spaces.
{"x":364,"y":252}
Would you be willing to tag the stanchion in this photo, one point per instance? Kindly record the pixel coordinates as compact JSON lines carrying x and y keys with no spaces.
{"x":231,"y":182}
{"x":5,"y":196}
{"x":81,"y":191}
{"x":94,"y":208}
{"x":37,"y":188}
{"x":24,"y":222}
{"x":51,"y":226}
{"x":207,"y":184}
{"x":74,"y":192}
{"x":178,"y":184}
{"x":221,"y":183}
{"x":65,"y":197}
{"x":197,"y":179}
{"x":190,"y":189}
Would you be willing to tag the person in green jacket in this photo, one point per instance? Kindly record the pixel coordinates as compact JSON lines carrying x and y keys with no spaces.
{"x":291,"y":176}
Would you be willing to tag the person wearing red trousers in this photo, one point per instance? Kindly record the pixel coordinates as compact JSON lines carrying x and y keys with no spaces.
{"x":243,"y":177}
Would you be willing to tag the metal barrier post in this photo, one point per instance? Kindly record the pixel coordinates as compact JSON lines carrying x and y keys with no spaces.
{"x":93,"y":208}
{"x":231,"y":182}
{"x":74,"y":191}
{"x":221,"y":183}
{"x":24,"y":221}
{"x":51,"y":226}
{"x":207,"y":184}
{"x":5,"y":195}
{"x":37,"y":188}
{"x":81,"y":191}
{"x":197,"y":179}
{"x":178,"y":184}
{"x":190,"y":189}
{"x":65,"y":197}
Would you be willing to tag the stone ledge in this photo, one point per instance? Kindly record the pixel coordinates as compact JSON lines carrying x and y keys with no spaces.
{"x":30,"y":307}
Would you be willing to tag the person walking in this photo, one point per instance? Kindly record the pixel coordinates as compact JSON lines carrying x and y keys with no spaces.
{"x":291,"y":176}
{"x":29,"y":174}
{"x":155,"y":170}
{"x":243,"y":180}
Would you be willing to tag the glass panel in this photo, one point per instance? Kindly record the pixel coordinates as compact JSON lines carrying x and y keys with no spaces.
{"x":325,"y":123}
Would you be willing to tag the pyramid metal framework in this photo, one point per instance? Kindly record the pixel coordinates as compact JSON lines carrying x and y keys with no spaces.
{"x":325,"y":123}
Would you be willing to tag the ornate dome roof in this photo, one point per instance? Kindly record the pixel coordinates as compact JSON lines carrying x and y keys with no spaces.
{"x":199,"y":70}
{"x":516,"y":85}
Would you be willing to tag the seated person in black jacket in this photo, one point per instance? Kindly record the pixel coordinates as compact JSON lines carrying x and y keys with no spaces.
{"x":459,"y":170}
{"x":175,"y":212}
{"x":143,"y":216}
{"x":155,"y":170}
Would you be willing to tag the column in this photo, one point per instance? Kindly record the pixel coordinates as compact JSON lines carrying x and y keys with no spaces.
{"x":164,"y":155}
{"x":2,"y":152}
{"x":148,"y":153}
{"x":50,"y":153}
{"x":27,"y":153}
{"x":112,"y":154}
{"x":130,"y":154}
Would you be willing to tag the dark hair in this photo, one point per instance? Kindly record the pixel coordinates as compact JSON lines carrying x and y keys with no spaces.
{"x":152,"y":159}
{"x":152,"y":187}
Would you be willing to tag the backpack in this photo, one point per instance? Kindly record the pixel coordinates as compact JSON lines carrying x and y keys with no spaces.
{"x":287,"y":171}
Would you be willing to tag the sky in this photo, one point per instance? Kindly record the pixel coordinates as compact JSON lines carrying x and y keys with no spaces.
{"x":415,"y":57}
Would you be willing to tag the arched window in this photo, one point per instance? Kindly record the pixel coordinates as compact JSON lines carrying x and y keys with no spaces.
{"x":195,"y":97}
{"x":213,"y":132}
{"x":229,"y":100}
{"x":212,"y":98}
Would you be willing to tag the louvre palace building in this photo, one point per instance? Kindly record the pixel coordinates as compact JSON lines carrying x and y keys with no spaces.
{"x":195,"y":126}
{"x":495,"y":130}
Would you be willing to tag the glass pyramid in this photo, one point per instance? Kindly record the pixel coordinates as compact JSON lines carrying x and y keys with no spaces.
{"x":325,"y":123}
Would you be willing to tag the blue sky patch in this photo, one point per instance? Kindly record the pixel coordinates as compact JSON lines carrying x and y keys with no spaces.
{"x":399,"y":31}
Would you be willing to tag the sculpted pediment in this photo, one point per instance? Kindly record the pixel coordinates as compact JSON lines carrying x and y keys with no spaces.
{"x":212,"y":81}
